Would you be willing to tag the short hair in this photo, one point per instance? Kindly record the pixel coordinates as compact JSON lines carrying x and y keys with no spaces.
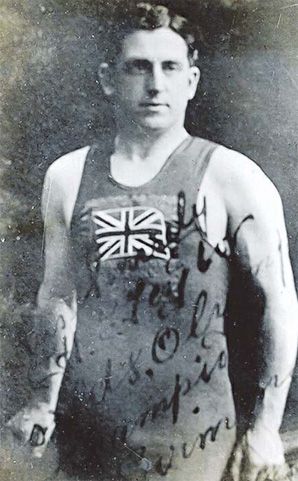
{"x":146,"y":16}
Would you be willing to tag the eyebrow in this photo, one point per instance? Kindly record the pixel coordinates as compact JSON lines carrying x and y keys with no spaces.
{"x":137,"y":59}
{"x":173,"y":62}
{"x":145,"y":62}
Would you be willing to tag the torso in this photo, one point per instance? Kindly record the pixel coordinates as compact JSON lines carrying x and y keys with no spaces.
{"x":149,"y":369}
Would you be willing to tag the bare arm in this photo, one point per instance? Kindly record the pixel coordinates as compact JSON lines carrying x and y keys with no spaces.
{"x":260,"y":249}
{"x":54,"y":323}
{"x":55,"y":317}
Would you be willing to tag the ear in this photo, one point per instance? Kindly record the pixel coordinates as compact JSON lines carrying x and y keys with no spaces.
{"x":194,"y":77}
{"x":105,"y":78}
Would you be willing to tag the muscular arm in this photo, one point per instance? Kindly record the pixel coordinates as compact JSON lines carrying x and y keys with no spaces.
{"x":259,"y":253}
{"x":55,"y":315}
{"x":256,"y":223}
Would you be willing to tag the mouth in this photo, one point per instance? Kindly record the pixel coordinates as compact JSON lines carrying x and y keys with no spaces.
{"x":153,"y":105}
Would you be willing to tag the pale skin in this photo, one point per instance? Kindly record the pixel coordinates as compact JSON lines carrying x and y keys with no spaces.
{"x":152,"y":88}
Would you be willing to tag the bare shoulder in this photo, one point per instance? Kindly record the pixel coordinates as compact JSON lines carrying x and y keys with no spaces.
{"x":241,"y":183}
{"x":235,"y":189}
{"x":62,"y":182}
{"x":68,"y":167}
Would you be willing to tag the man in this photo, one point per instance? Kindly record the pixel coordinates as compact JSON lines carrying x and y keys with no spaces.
{"x":157,"y":242}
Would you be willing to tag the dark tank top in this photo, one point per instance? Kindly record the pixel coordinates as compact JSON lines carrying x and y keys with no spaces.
{"x":148,"y":374}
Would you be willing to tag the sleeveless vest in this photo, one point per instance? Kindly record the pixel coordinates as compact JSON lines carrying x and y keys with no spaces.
{"x":148,"y":378}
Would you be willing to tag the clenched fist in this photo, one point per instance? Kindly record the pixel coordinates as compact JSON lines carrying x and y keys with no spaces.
{"x":33,"y":426}
{"x":258,"y":457}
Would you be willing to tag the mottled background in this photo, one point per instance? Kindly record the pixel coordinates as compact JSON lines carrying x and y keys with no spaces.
{"x":51,"y":103}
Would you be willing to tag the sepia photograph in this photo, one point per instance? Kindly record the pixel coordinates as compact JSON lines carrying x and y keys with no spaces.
{"x":149,"y":240}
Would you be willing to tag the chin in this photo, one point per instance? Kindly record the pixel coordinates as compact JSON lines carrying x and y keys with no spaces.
{"x":155,"y":124}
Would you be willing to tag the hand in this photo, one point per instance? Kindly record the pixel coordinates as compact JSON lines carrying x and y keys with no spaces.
{"x":258,"y":457}
{"x":33,"y":426}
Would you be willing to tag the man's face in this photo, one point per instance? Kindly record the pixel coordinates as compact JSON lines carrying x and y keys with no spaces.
{"x":153,"y":81}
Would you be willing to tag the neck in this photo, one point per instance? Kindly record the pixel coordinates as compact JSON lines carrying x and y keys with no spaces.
{"x":140,"y":145}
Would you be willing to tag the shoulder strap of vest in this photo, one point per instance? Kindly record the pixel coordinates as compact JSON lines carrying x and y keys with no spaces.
{"x":195,"y":159}
{"x":202,"y":152}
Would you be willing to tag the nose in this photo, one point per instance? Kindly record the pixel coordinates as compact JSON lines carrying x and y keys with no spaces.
{"x":156,"y":80}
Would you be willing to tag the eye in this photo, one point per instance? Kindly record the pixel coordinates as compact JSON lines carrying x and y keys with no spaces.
{"x":171,"y":66}
{"x":137,"y":67}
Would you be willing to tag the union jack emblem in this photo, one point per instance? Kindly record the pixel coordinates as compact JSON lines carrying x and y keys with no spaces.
{"x":130,"y":231}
